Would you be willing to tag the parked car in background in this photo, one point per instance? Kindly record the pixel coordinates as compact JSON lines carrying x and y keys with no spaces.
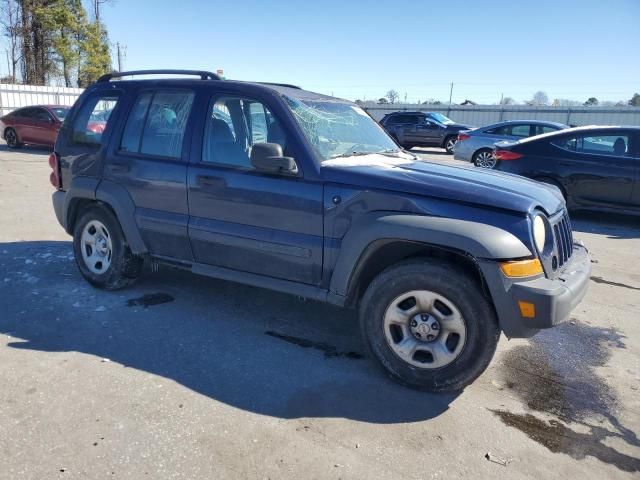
{"x":596,"y":168}
{"x":36,"y":125}
{"x":422,"y":129}
{"x":476,"y":145}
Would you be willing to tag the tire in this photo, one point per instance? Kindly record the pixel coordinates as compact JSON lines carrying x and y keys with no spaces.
{"x":449,"y":143}
{"x":11,"y":137}
{"x":484,"y":158}
{"x":467,"y":356}
{"x":107,"y":263}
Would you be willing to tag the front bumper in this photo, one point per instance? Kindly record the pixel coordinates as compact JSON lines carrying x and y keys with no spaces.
{"x":553,"y":299}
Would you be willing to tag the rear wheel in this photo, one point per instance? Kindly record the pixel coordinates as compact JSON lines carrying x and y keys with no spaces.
{"x":449,"y":143}
{"x":484,"y":158}
{"x":428,"y":325}
{"x":11,"y":137}
{"x":101,"y":253}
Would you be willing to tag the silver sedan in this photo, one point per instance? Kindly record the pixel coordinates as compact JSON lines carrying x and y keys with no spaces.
{"x":476,"y":145}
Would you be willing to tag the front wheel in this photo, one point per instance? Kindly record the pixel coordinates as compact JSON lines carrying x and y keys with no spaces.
{"x":428,"y":325}
{"x":450,"y":143}
{"x":101,"y":253}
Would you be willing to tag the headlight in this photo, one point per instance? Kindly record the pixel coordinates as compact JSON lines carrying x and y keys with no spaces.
{"x":539,"y":232}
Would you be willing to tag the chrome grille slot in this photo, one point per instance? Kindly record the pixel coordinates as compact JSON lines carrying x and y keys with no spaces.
{"x":563,"y":238}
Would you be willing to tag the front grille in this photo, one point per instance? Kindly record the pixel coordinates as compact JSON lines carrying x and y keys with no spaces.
{"x":563,"y":238}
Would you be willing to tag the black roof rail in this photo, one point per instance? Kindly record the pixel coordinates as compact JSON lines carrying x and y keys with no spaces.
{"x":288,"y":85}
{"x":204,"y":75}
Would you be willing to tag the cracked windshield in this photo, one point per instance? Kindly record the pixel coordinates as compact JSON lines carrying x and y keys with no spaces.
{"x":340,"y":129}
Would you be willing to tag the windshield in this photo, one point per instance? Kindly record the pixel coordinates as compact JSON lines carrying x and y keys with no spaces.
{"x":438,"y":117}
{"x":60,"y":112}
{"x":340,"y":129}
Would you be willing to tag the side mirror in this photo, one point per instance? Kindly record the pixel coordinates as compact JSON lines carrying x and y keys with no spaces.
{"x":267,"y":157}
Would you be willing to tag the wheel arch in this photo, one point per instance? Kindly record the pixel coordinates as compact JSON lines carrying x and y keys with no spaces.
{"x":87,"y":191}
{"x":382,"y":254}
{"x":381,"y":239}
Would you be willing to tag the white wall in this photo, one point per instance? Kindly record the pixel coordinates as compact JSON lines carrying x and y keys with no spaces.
{"x":479,"y":115}
{"x":16,"y":96}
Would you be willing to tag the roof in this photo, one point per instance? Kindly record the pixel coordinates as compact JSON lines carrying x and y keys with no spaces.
{"x":533,"y":122}
{"x":585,"y":128}
{"x":204,"y":76}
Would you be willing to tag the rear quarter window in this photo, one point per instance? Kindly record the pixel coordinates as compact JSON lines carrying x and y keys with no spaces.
{"x":91,"y":121}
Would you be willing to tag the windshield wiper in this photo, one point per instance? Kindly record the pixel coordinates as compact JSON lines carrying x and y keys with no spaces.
{"x":350,"y":154}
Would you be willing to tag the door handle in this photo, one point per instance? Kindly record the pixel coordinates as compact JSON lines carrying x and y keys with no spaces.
{"x":119,"y":167}
{"x":208,"y":181}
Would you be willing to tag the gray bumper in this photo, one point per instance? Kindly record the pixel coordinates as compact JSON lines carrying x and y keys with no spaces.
{"x":58,"y":207}
{"x":553,"y":299}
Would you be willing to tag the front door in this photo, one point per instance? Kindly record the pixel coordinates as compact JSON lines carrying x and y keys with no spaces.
{"x":600,"y":168}
{"x":244,"y":219}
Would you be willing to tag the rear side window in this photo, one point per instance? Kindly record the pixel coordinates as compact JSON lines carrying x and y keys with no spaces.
{"x":499,"y":130}
{"x":540,"y":129}
{"x":157,"y":123}
{"x":617,"y":144}
{"x":92,"y":119}
{"x":520,"y":130}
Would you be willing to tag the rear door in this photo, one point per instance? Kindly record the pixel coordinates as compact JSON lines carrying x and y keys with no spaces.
{"x":599,"y":168}
{"x":247,"y":220}
{"x":150,"y":161}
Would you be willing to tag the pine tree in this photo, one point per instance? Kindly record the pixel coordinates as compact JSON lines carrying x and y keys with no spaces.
{"x":95,"y":57}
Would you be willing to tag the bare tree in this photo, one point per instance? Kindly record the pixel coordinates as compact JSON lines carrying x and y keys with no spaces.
{"x":507,"y":101}
{"x":10,"y":24}
{"x":540,"y":98}
{"x":95,"y":4}
{"x":392,"y":95}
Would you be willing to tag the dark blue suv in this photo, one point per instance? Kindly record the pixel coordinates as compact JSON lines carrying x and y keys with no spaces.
{"x":277,"y":187}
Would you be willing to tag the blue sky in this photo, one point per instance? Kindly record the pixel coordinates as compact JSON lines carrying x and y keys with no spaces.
{"x":355,"y":49}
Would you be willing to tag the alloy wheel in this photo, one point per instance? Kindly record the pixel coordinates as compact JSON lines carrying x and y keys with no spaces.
{"x":485,"y":159}
{"x":96,"y":247}
{"x":11,"y":138}
{"x":424,"y":329}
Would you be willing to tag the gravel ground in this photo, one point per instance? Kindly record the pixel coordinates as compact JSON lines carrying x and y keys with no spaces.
{"x":190,"y":377}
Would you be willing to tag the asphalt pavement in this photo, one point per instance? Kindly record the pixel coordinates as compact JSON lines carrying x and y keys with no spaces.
{"x":188,"y":377}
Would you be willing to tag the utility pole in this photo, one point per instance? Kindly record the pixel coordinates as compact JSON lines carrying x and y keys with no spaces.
{"x":450,"y":93}
{"x":119,"y":57}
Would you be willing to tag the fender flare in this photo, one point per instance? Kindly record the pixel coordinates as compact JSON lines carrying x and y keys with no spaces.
{"x":113,"y":195}
{"x":479,"y":240}
{"x":118,"y":198}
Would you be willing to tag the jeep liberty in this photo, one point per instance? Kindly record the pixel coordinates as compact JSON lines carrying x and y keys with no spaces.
{"x":277,"y":187}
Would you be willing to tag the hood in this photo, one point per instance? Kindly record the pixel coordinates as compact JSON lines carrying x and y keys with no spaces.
{"x":461,"y":184}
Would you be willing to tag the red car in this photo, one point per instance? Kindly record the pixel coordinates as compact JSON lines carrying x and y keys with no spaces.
{"x":36,"y":125}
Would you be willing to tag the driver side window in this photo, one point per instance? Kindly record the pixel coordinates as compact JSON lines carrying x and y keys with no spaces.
{"x":234,"y":125}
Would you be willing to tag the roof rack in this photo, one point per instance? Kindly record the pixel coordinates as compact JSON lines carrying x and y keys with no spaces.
{"x":204,"y":75}
{"x":288,"y":85}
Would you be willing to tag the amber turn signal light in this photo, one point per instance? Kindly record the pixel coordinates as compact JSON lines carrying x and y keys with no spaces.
{"x":527,"y":309}
{"x":521,"y":268}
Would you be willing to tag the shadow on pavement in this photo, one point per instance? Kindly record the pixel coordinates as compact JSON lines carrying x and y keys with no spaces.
{"x":30,"y":149}
{"x":213,"y":337}
{"x":614,"y":226}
